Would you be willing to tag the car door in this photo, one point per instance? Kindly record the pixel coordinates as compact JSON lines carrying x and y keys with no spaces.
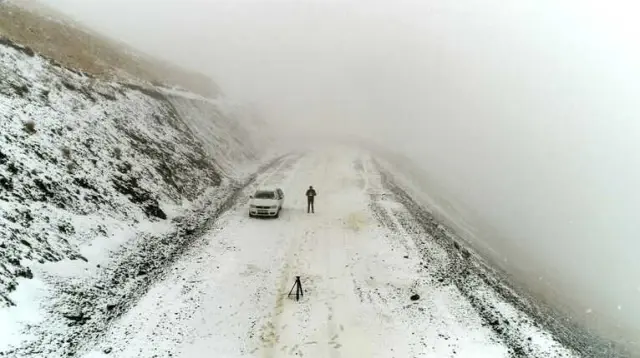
{"x":281,"y":197}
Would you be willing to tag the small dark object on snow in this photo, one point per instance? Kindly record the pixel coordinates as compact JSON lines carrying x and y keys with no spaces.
{"x":415,"y":297}
{"x":29,"y":127}
{"x":107,"y":350}
{"x":76,"y":316}
{"x":66,"y":152}
{"x":406,"y":256}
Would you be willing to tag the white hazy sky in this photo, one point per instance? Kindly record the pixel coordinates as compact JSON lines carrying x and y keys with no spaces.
{"x":527,"y":111}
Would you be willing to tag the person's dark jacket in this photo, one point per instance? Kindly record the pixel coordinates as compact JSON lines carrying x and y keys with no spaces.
{"x":311,"y":193}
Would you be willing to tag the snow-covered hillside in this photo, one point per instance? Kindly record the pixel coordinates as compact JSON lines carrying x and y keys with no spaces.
{"x":88,"y":168}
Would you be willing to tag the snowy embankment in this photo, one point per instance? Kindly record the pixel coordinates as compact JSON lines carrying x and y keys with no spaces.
{"x":100,"y":183}
{"x":527,"y":325}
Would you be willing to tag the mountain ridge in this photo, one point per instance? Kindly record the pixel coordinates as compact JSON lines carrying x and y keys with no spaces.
{"x":58,"y":37}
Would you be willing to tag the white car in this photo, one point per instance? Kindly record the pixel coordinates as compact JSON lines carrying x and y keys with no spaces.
{"x":266,"y":202}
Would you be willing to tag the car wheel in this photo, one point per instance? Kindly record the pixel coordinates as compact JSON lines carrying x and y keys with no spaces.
{"x":277,"y":213}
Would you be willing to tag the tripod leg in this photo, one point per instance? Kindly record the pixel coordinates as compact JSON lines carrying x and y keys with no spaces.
{"x":294,"y":286}
{"x":298,"y":287}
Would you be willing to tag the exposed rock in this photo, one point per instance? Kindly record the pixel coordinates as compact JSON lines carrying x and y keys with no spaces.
{"x":24,"y":272}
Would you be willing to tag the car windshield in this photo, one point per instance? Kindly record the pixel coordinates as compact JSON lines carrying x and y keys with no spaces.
{"x":265,"y":195}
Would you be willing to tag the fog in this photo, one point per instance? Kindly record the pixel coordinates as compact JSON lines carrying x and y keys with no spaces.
{"x":526,"y":113}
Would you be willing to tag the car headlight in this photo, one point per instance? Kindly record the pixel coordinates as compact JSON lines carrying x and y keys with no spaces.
{"x":253,"y":206}
{"x":274,"y":206}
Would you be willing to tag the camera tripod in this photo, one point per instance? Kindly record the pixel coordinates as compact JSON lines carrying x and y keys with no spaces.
{"x":298,"y":287}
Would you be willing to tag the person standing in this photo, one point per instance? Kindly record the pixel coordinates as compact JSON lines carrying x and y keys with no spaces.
{"x":311,"y":193}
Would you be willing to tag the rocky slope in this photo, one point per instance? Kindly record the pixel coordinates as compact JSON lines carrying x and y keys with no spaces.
{"x":88,"y":165}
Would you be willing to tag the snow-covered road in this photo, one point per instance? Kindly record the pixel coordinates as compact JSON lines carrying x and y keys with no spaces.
{"x":228,"y":297}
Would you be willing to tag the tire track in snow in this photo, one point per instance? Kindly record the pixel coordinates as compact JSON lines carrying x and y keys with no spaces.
{"x":293,"y":328}
{"x":379,"y":204}
{"x":269,"y":331}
